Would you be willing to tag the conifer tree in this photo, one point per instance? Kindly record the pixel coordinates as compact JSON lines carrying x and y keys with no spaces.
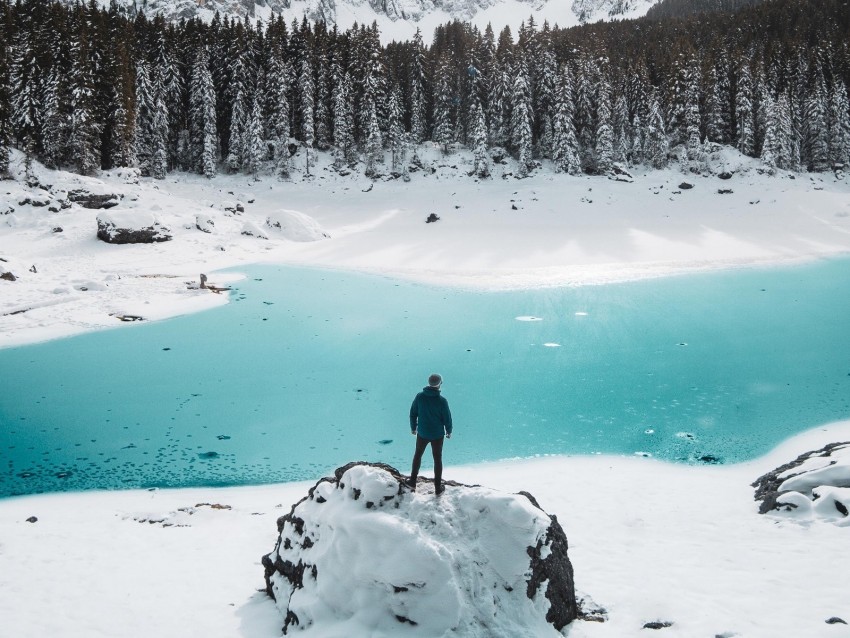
{"x":238,"y":125}
{"x":444,"y":131}
{"x":771,"y":150}
{"x":744,"y":114}
{"x":254,"y":143}
{"x":564,"y":144}
{"x":5,"y":109}
{"x":478,"y":138}
{"x":839,"y":125}
{"x":789,"y":141}
{"x":604,"y":151}
{"x":817,"y":126}
{"x":84,"y":134}
{"x":374,"y":147}
{"x":418,"y":125}
{"x":25,"y":91}
{"x":395,"y":131}
{"x":584,"y":111}
{"x":323,"y":112}
{"x":344,"y":146}
{"x":305,"y":90}
{"x":159,"y":156}
{"x":278,"y":110}
{"x":54,"y":128}
{"x":656,"y":145}
{"x":202,"y":124}
{"x":499,"y":89}
{"x":521,"y":139}
{"x":620,"y":121}
{"x":143,"y":128}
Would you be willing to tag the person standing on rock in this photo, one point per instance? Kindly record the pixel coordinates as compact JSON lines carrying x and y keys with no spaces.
{"x":430,"y":422}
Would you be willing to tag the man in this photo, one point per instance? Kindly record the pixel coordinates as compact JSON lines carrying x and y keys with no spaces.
{"x":430,"y":421}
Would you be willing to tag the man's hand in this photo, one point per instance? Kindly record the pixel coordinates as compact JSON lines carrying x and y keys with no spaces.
{"x":448,"y":435}
{"x":413,"y":432}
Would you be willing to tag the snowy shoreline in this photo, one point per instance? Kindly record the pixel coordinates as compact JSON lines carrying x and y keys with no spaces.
{"x":548,"y":230}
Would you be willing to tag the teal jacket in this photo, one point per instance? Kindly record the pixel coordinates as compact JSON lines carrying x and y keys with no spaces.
{"x":430,"y":415}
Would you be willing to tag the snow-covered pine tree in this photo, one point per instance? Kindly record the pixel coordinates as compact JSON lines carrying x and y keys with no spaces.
{"x":839,"y":129}
{"x":122,"y":136}
{"x":544,"y":94}
{"x":84,"y":136}
{"x":254,"y":144}
{"x":5,"y":110}
{"x":744,"y":114}
{"x":656,"y":144}
{"x":418,"y":125}
{"x":584,"y":110}
{"x":789,"y":141}
{"x":692,"y":117}
{"x":521,"y":139}
{"x":373,"y":150}
{"x":604,"y":151}
{"x":395,"y":130}
{"x":499,"y":89}
{"x":238,"y":123}
{"x":202,"y":116}
{"x":771,"y":149}
{"x":143,"y":144}
{"x":620,"y":120}
{"x":444,"y":132}
{"x":277,"y":124}
{"x":26,"y":93}
{"x":564,"y":143}
{"x":817,"y":126}
{"x":715,"y":105}
{"x":478,"y":139}
{"x":159,"y":156}
{"x":308,"y":105}
{"x":54,"y":124}
{"x":323,"y":112}
{"x":345,"y":150}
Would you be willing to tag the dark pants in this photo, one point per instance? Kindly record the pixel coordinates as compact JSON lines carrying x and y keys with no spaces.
{"x":437,"y":451}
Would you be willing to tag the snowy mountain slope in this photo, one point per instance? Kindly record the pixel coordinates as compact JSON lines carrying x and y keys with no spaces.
{"x":398,"y":19}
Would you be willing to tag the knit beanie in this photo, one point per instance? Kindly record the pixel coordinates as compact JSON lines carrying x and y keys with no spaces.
{"x":435,"y":381}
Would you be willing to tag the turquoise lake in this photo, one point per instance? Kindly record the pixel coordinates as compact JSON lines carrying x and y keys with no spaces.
{"x":308,"y":369}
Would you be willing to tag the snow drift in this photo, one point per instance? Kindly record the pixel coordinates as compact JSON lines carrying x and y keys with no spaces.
{"x":296,"y":226}
{"x":363,"y":555}
{"x":814,"y":485}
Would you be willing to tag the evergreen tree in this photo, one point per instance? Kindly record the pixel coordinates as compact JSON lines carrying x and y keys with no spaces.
{"x":305,"y":90}
{"x":478,"y":138}
{"x":656,"y":145}
{"x":277,"y":123}
{"x":345,"y":151}
{"x":159,"y":156}
{"x":604,"y":151}
{"x":143,"y":128}
{"x":444,"y":132}
{"x":54,"y":124}
{"x":84,"y":134}
{"x":418,"y":125}
{"x":374,"y":147}
{"x":323,"y":112}
{"x":839,"y":125}
{"x":497,"y":101}
{"x":254,"y":143}
{"x":235,"y":159}
{"x":620,"y":120}
{"x":744,"y":113}
{"x":565,"y":145}
{"x":817,"y":126}
{"x":25,"y":91}
{"x":5,"y":107}
{"x":395,"y":132}
{"x":584,"y":111}
{"x":771,"y":150}
{"x":521,"y":139}
{"x":202,"y":123}
{"x":789,"y":142}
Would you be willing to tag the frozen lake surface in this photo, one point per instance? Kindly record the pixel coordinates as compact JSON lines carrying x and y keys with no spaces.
{"x":309,"y":369}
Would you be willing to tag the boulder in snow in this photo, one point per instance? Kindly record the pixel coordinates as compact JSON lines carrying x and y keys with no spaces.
{"x":814,"y":485}
{"x":250,"y":229}
{"x":92,"y":200}
{"x":296,"y":226}
{"x":204,"y":223}
{"x":363,"y":555}
{"x":130,"y":227}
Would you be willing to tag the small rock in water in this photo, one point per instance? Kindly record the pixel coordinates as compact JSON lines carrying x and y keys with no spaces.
{"x":208,"y":455}
{"x":385,"y":441}
{"x":223,"y":437}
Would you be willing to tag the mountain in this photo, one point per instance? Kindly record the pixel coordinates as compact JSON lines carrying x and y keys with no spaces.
{"x":398,"y":19}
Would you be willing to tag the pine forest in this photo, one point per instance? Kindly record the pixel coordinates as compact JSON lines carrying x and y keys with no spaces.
{"x":86,"y":88}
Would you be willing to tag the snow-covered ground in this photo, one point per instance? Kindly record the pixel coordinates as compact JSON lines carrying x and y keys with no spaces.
{"x":649,"y":541}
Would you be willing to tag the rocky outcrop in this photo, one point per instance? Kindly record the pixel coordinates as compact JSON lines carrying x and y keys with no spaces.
{"x":94,"y":201}
{"x":364,"y":552}
{"x":814,"y":485}
{"x":131,"y":227}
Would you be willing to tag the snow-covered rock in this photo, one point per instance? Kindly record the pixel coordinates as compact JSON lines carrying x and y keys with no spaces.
{"x":97,"y":201}
{"x":250,"y":229}
{"x":363,"y":555}
{"x":131,"y":227}
{"x":296,"y":226}
{"x":814,"y":485}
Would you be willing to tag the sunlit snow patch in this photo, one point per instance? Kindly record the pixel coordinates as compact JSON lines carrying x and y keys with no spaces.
{"x":296,"y":226}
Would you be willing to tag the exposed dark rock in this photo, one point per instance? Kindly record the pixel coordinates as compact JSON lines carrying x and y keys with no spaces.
{"x":658,"y":624}
{"x":58,"y":229}
{"x":767,"y":486}
{"x":93,"y":201}
{"x":34,"y":519}
{"x":433,"y":217}
{"x":686,"y":186}
{"x":725,"y":175}
{"x":8,"y":276}
{"x":724,"y":191}
{"x":126,"y":230}
{"x":835,"y":620}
